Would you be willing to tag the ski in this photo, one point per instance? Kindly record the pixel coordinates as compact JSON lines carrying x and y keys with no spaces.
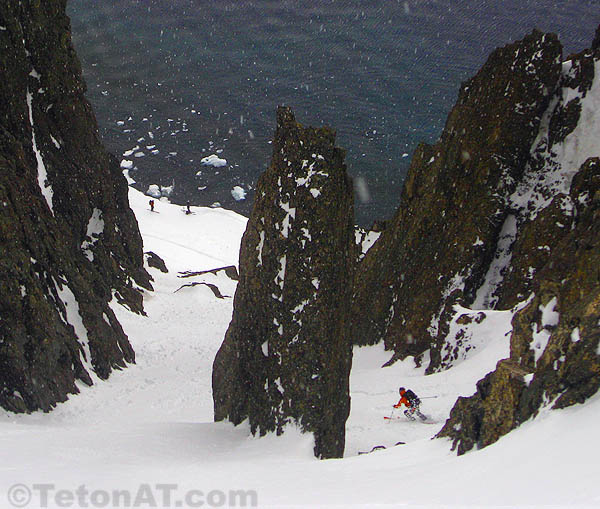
{"x":379,"y":448}
{"x":426,"y":421}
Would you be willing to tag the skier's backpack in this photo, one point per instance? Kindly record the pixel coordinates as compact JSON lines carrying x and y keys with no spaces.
{"x":412,"y":398}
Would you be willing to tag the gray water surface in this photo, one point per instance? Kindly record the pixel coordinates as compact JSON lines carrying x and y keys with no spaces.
{"x":190,"y":78}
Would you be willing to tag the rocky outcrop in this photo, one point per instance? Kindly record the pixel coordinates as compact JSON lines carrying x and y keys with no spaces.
{"x":555,"y":345}
{"x":69,"y":241}
{"x":501,"y":214}
{"x":551,"y":262}
{"x":437,"y":249}
{"x":286,"y":356}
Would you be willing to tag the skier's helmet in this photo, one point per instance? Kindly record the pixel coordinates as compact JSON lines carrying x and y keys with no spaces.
{"x":402,"y":390}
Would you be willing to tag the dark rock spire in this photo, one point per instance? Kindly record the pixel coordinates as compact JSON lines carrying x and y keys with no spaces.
{"x":287,"y":354}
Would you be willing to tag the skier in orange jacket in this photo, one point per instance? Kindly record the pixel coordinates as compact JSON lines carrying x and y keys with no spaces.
{"x":412,"y":403}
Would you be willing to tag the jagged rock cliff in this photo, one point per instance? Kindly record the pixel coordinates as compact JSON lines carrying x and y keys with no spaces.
{"x":286,"y":356}
{"x":554,"y":351}
{"x":553,"y":257}
{"x":69,"y":242}
{"x":501,"y":214}
{"x":438,"y":247}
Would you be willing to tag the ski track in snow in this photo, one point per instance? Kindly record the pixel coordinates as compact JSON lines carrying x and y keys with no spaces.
{"x":152,"y":422}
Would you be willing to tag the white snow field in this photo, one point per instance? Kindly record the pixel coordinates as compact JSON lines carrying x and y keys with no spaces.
{"x":145,"y":437}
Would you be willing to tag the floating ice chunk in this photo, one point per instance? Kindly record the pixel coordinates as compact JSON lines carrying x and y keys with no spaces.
{"x":128,"y":153}
{"x":154,"y":191}
{"x":126,"y":164}
{"x":128,"y":178}
{"x":238,"y":193}
{"x":167,"y":190}
{"x":213,"y":160}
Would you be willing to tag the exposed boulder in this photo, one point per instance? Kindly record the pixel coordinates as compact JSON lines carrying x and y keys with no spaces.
{"x":156,"y":262}
{"x":287,"y":353}
{"x":437,"y":249}
{"x":69,"y":241}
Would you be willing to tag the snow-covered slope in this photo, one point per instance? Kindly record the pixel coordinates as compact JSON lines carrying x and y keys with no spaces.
{"x":151,"y":424}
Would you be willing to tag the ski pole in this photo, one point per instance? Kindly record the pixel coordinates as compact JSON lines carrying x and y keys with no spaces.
{"x":391,"y":415}
{"x":428,"y":397}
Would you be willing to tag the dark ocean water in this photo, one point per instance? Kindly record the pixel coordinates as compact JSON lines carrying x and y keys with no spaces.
{"x":189,"y":78}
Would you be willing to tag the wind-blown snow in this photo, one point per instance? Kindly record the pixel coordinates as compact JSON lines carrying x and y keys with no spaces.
{"x":152,"y":422}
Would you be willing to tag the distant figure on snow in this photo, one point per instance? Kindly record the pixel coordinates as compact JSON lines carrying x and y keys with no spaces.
{"x":187,"y":208}
{"x":412,"y":402}
{"x":151,"y":203}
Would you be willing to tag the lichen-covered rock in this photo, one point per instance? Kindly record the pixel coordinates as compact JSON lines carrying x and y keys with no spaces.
{"x":69,"y":242}
{"x":552,"y":261}
{"x":541,"y":204}
{"x":287,"y":353}
{"x":437,"y":250}
{"x":555,"y":344}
